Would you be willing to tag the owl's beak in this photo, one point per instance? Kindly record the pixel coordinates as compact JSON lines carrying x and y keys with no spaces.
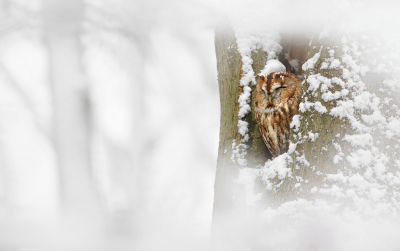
{"x":270,"y":98}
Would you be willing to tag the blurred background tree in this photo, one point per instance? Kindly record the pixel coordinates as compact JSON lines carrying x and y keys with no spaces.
{"x":95,"y":122}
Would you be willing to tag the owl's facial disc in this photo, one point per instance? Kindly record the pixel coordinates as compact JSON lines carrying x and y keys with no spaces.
{"x":272,"y":91}
{"x":275,"y":93}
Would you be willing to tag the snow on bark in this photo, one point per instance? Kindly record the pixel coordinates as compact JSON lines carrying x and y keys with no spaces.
{"x":248,"y":40}
{"x":354,"y":82}
{"x":366,"y":156}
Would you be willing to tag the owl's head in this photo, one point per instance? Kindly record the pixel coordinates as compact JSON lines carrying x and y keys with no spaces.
{"x":276,"y":88}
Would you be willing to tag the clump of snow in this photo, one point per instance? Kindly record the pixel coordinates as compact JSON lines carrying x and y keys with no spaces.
{"x":238,"y":153}
{"x":334,"y":64}
{"x":243,"y":130}
{"x":310,"y":63}
{"x":313,"y":136}
{"x":275,"y":168}
{"x":244,"y":100}
{"x":292,"y":148}
{"x":319,"y":107}
{"x":295,"y":124}
{"x":360,"y":158}
{"x":343,"y":109}
{"x":273,"y":65}
{"x":306,"y":106}
{"x":375,"y":118}
{"x":361,"y":140}
{"x":302,"y":159}
{"x":337,"y":158}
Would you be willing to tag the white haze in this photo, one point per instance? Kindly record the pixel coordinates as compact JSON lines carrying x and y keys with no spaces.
{"x":151,"y":66}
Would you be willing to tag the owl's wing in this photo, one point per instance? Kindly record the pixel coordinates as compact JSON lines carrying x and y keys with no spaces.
{"x":284,"y":140}
{"x":275,"y":131}
{"x":283,"y":118}
{"x":268,"y":133}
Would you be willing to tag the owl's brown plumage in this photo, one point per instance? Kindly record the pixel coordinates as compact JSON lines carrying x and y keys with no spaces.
{"x":277,"y":101}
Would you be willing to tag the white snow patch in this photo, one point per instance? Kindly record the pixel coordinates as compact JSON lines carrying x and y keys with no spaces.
{"x":273,"y":65}
{"x":302,"y":159}
{"x":295,"y":124}
{"x":375,"y":118}
{"x":313,"y":136}
{"x":310,"y":63}
{"x":336,"y":159}
{"x":306,"y":106}
{"x":334,"y":64}
{"x":243,"y":128}
{"x":320,"y":108}
{"x":359,"y":140}
{"x":292,"y":147}
{"x":276,"y":167}
{"x":360,"y":158}
{"x":244,"y":100}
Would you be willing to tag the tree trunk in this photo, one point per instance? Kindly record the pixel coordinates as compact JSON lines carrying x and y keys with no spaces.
{"x":344,"y":141}
{"x":318,"y":151}
{"x":229,"y":62}
{"x":71,"y":102}
{"x":228,"y":195}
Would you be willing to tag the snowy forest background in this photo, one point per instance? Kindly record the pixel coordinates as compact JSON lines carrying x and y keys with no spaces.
{"x":149,"y":68}
{"x":141,"y":120}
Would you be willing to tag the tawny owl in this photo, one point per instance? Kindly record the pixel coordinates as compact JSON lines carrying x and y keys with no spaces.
{"x":277,"y":101}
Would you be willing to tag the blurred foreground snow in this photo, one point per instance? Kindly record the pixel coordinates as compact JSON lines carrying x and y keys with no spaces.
{"x":151,"y":71}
